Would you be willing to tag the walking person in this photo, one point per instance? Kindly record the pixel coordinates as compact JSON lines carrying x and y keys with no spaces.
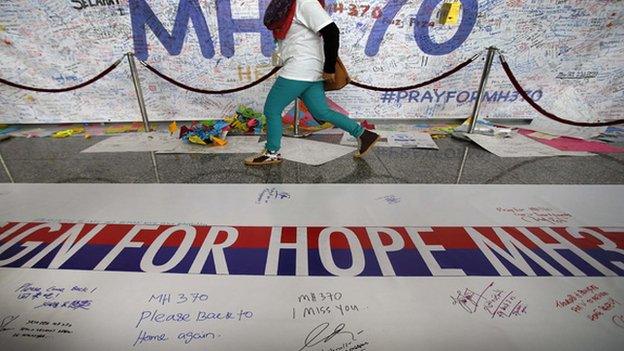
{"x":308,"y":40}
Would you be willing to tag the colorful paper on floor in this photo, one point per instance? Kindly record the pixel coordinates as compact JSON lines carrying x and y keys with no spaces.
{"x":519,"y":146}
{"x":33,"y":132}
{"x":136,"y":142}
{"x":235,"y":145}
{"x":125,"y":128}
{"x":573,"y":144}
{"x":96,"y":129}
{"x":9,"y":129}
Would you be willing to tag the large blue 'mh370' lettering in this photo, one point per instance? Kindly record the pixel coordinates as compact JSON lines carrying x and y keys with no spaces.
{"x":143,"y":16}
{"x":421,"y":32}
{"x":189,"y":10}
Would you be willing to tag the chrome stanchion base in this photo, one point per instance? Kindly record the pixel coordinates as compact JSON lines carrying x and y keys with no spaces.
{"x":289,"y":133}
{"x":295,"y":132}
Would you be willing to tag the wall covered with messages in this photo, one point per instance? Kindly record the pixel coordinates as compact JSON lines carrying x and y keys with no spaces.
{"x":567,"y":53}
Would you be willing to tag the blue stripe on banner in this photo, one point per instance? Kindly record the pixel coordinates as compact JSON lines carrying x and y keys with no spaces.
{"x":244,"y":261}
{"x":607,"y":258}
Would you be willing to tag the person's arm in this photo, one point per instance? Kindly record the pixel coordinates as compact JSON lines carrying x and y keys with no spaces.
{"x":331,"y":44}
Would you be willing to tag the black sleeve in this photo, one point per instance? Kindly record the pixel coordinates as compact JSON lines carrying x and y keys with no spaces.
{"x":331,"y":43}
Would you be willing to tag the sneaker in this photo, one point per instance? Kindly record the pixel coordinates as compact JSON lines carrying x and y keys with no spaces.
{"x":366,"y":142}
{"x":264,"y":158}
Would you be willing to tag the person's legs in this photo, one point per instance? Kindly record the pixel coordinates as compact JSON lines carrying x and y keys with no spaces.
{"x":316,"y":102}
{"x":283,"y":92}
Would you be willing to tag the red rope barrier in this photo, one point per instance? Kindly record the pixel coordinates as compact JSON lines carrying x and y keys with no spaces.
{"x":209,"y":92}
{"x":62,"y":90}
{"x":545,"y":113}
{"x":419,"y":85}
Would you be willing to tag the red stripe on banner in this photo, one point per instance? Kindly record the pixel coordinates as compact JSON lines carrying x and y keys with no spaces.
{"x":490,"y":233}
{"x":542,"y":235}
{"x":44,"y":234}
{"x":249,"y":237}
{"x":13,"y":224}
{"x":616,"y":236}
{"x":148,"y":236}
{"x":47,"y":236}
{"x":111,"y":234}
{"x":448,"y":237}
{"x":516,"y":234}
{"x":5,"y":227}
{"x":259,"y":237}
{"x":338,"y":240}
{"x":586,"y":242}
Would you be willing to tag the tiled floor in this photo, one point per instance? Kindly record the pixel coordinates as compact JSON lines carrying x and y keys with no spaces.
{"x":60,"y":161}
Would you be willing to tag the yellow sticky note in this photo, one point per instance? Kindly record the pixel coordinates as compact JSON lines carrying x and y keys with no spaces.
{"x":196,"y":140}
{"x":173,"y":127}
{"x":218,"y":141}
{"x":68,"y":132}
{"x":63,"y":133}
{"x":449,"y":13}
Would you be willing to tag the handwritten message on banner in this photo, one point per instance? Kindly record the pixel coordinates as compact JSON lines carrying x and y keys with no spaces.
{"x":139,"y":311}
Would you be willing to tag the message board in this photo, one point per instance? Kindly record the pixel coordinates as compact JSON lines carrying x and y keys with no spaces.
{"x":567,"y":54}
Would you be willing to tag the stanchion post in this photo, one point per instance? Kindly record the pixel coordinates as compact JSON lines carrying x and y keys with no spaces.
{"x":141,"y":100}
{"x":138,"y":90}
{"x":296,"y":129}
{"x":296,"y":119}
{"x":6,"y":169}
{"x":461,"y":167}
{"x":482,"y":86}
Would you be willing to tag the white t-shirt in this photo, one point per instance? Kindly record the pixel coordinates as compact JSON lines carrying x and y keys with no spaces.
{"x":302,"y":49}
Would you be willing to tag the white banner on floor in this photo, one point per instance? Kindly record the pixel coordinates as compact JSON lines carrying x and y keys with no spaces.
{"x":311,"y":267}
{"x":565,"y":53}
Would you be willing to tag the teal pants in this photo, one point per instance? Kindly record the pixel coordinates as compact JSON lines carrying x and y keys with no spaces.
{"x":284,"y":91}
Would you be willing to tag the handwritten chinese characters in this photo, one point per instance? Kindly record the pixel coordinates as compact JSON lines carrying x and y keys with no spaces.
{"x":56,"y":297}
{"x":495,"y":302}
